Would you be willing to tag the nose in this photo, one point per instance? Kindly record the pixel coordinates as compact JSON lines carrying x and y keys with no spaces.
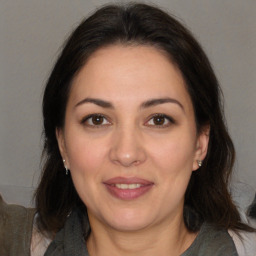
{"x":127,"y":148}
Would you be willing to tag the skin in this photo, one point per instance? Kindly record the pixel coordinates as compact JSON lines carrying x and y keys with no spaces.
{"x":126,"y":140}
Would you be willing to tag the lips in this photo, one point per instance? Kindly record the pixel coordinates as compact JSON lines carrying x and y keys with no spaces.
{"x":127,"y":188}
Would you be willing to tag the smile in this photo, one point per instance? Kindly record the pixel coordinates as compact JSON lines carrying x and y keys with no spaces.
{"x":128,"y":188}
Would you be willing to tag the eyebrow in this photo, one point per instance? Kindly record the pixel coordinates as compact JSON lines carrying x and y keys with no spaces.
{"x":154,"y":102}
{"x":101,"y":103}
{"x":146,"y":104}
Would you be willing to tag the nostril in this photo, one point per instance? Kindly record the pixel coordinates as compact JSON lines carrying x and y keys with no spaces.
{"x":127,"y":150}
{"x":137,"y":162}
{"x":126,"y":159}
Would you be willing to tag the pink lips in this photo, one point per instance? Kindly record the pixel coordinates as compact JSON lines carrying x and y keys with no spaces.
{"x":127,"y":188}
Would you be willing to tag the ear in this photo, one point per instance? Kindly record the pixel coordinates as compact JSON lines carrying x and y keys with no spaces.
{"x":62,"y":146}
{"x":201,"y":146}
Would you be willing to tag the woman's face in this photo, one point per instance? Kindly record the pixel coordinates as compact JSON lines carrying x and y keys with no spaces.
{"x":130,"y":138}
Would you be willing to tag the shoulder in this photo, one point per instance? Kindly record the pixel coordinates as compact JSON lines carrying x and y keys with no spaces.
{"x":212,"y":241}
{"x":245,"y":241}
{"x":16,"y":224}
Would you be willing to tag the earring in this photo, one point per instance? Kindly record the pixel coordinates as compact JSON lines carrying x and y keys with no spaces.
{"x":66,"y":168}
{"x":199,"y":162}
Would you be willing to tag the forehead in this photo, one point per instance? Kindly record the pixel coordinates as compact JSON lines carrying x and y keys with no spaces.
{"x":129,"y":73}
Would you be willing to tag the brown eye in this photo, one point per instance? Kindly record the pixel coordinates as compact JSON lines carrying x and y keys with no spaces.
{"x":95,"y":120}
{"x":160,"y":120}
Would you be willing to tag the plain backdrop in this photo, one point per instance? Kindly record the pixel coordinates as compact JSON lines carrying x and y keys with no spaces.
{"x":31,"y":35}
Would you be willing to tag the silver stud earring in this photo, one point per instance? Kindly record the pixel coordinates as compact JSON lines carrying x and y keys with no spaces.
{"x":65,"y":166}
{"x":199,"y":162}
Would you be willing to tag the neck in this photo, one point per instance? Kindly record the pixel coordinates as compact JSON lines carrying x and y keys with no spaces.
{"x":166,"y":238}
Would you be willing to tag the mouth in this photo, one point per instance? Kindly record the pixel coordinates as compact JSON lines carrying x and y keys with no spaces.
{"x":128,"y":188}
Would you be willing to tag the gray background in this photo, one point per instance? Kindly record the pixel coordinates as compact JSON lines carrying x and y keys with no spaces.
{"x":31,"y":34}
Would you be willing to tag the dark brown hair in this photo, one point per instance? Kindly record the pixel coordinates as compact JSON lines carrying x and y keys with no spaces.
{"x":252,"y":209}
{"x":207,"y":197}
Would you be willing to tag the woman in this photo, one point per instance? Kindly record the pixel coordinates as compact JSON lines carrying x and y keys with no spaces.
{"x":137,"y":155}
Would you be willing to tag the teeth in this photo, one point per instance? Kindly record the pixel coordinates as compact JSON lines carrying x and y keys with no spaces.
{"x":128,"y":186}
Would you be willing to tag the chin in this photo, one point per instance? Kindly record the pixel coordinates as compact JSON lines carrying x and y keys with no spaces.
{"x":129,"y":221}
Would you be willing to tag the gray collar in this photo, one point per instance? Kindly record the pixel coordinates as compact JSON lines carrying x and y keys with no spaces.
{"x":69,"y":241}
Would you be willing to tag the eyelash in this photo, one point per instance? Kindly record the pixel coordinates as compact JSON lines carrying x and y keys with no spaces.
{"x":167,"y":118}
{"x":85,"y":120}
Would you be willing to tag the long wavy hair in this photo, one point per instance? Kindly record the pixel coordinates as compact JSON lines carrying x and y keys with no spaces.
{"x":207,"y":197}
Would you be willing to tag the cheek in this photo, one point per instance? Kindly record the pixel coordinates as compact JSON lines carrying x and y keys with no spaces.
{"x":85,"y":156}
{"x":174,"y":154}
{"x":86,"y":160}
{"x":173,"y":160}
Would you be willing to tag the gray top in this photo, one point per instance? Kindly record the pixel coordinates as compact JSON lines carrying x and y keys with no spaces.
{"x":16,"y":229}
{"x":212,"y":242}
